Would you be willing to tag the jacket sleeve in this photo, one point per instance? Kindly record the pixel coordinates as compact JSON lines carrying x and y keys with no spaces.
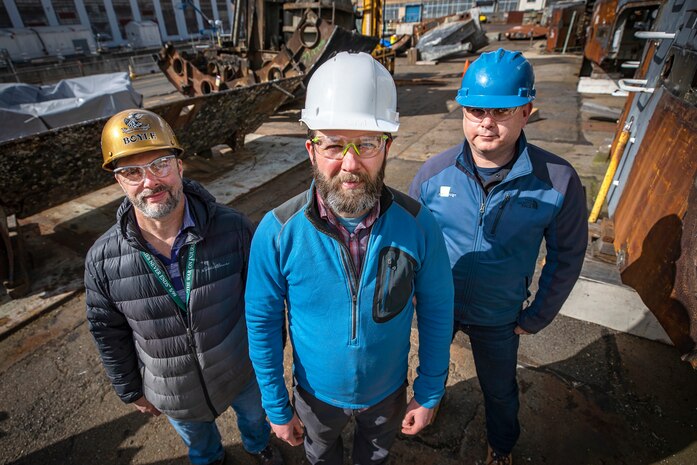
{"x":434,"y":310}
{"x":265,"y":309}
{"x":415,"y":186}
{"x":566,"y":239}
{"x":114,"y":338}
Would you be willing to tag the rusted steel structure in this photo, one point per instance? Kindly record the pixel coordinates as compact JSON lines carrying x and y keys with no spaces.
{"x":611,"y":43}
{"x":316,"y":36}
{"x":567,"y":27}
{"x":526,"y":31}
{"x":43,"y":170}
{"x":653,"y":201}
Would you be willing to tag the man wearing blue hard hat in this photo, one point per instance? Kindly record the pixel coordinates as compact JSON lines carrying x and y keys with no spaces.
{"x":496,"y":197}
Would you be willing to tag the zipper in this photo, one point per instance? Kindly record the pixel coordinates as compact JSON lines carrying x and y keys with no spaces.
{"x":192,"y":350}
{"x":190,"y":340}
{"x":477,"y":239}
{"x":192,"y":347}
{"x":481,"y":212}
{"x":178,"y":311}
{"x":391,"y":267}
{"x":349,"y":269}
{"x":354,"y":317}
{"x":502,"y":205}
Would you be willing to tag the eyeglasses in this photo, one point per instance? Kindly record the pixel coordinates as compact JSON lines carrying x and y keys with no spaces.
{"x":477,"y":115}
{"x":134,"y":175}
{"x":335,"y":148}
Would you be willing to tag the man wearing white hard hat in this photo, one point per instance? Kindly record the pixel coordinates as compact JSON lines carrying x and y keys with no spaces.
{"x":349,"y":261}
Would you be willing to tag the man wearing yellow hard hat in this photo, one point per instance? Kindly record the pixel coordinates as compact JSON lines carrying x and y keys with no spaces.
{"x":164,"y":291}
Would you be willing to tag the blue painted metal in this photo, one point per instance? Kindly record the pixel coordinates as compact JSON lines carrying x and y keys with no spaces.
{"x":412,"y":13}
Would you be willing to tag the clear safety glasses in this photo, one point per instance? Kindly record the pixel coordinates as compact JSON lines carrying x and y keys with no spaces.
{"x":335,"y":148}
{"x":134,"y":175}
{"x":477,"y":115}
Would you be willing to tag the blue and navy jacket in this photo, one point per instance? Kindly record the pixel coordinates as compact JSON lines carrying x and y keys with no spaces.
{"x":493,"y":240}
{"x":350,"y":333}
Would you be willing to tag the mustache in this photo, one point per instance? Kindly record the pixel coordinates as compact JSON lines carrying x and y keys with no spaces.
{"x":157,"y":190}
{"x":352,"y":177}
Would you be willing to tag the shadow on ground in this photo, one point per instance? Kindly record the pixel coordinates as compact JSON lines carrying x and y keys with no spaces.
{"x":607,"y":404}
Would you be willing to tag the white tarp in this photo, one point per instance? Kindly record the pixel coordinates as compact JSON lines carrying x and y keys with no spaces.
{"x":27,"y":109}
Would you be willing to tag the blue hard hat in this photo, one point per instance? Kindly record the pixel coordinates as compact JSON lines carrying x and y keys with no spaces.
{"x":500,"y":79}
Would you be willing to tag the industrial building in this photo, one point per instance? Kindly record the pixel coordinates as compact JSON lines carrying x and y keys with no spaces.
{"x":181,"y":20}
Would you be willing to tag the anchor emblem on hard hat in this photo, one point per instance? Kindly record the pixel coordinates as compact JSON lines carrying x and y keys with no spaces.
{"x":133,"y":124}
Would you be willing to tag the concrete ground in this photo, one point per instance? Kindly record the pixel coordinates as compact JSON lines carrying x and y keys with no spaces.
{"x":589,"y":394}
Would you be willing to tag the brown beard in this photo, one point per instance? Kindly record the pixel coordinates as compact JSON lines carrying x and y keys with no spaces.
{"x":351,"y":202}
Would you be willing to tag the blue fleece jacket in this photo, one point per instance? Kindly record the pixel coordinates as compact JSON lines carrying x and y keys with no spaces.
{"x":493,"y":240}
{"x":350,"y":334}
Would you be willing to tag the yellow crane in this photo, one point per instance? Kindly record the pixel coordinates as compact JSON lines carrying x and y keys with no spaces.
{"x":372,"y":25}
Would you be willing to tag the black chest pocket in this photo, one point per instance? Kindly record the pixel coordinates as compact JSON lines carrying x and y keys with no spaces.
{"x":394,"y":284}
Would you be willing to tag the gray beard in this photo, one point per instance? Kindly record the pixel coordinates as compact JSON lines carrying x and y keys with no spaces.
{"x":349,"y":202}
{"x":161,"y":210}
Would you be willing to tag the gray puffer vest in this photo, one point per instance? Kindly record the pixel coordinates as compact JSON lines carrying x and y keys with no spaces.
{"x":188,"y":365}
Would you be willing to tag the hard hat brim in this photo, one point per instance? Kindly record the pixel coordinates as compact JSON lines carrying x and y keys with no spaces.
{"x":109,"y":164}
{"x":493,"y":101}
{"x":348,"y":124}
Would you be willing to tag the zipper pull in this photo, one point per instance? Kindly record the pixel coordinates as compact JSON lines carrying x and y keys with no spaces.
{"x":481,"y":213}
{"x":190,"y":338}
{"x":505,"y":201}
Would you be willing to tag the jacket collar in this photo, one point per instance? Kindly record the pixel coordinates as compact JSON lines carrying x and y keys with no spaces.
{"x":521,"y":166}
{"x":201,"y":208}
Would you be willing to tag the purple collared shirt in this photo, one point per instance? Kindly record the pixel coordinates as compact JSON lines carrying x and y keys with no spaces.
{"x":357,"y":240}
{"x":172,"y":263}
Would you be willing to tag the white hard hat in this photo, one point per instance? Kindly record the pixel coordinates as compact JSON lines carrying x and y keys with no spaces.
{"x":351,"y":91}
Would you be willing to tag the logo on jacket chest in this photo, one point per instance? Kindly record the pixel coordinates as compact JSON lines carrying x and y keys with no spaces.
{"x":528,"y":203}
{"x":210,"y":265}
{"x":445,"y":192}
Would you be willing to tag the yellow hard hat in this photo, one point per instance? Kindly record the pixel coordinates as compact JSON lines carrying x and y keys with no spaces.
{"x":135,"y":131}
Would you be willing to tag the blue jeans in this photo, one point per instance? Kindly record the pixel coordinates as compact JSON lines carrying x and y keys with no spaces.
{"x":203,"y":438}
{"x":495,"y":352}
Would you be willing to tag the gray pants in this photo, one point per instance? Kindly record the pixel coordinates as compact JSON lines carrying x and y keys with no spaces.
{"x":376,"y":428}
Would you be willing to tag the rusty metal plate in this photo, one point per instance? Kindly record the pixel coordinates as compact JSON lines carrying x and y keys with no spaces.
{"x":655,"y":221}
{"x":526,"y":31}
{"x":685,"y":290}
{"x":600,"y":31}
{"x":40,"y":171}
{"x":302,"y":55}
{"x":561,"y":22}
{"x":313,"y":42}
{"x":608,"y":16}
{"x":185,"y":71}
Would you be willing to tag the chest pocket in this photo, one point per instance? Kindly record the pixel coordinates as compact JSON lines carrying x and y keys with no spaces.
{"x":394,"y":285}
{"x":517,"y":221}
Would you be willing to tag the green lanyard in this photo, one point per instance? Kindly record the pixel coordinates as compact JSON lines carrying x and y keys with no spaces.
{"x":166,"y":284}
